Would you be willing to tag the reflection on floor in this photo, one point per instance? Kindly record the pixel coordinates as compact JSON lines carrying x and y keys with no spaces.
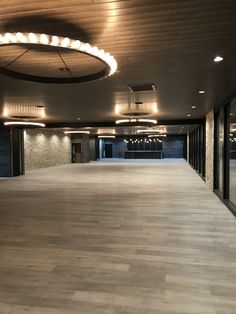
{"x":115,"y":238}
{"x":232,"y":179}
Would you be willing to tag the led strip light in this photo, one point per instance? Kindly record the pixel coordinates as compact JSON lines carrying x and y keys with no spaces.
{"x":106,"y":136}
{"x":24,"y":123}
{"x":61,"y":42}
{"x":135,"y":120}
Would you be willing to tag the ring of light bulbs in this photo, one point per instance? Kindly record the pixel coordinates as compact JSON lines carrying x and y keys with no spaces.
{"x":60,"y":42}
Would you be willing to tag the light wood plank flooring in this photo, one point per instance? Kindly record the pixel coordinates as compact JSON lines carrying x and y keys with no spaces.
{"x":115,"y":238}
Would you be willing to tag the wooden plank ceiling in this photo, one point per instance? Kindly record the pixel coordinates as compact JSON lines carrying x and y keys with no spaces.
{"x":169,"y":43}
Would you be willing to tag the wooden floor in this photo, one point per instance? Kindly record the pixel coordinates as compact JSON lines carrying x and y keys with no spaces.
{"x":115,"y":238}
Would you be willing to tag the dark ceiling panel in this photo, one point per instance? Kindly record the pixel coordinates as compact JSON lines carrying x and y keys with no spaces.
{"x":169,"y":43}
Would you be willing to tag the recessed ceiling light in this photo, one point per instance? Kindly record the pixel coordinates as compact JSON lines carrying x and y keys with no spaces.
{"x":78,"y":118}
{"x":188,"y":115}
{"x":218,"y":59}
{"x":194,"y":107}
{"x":231,"y":114}
{"x":201,"y":92}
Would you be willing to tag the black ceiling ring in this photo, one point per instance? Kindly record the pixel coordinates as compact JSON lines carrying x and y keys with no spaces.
{"x":55,"y":80}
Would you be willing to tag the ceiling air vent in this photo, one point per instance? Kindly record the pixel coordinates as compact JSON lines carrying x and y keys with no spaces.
{"x":142,"y":88}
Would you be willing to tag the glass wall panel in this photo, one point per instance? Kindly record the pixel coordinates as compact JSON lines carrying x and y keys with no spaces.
{"x":219,"y":162}
{"x":221,"y":150}
{"x":197,"y":149}
{"x":232,"y":154}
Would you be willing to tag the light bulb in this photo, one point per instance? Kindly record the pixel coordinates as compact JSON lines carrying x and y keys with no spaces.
{"x":21,"y":37}
{"x":75,"y":44}
{"x":33,"y":38}
{"x":55,"y":41}
{"x":65,"y":42}
{"x":44,"y":39}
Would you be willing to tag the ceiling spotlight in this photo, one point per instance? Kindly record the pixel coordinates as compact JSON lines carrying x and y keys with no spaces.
{"x":106,"y":136}
{"x":77,"y":132}
{"x":24,"y":123}
{"x":194,"y":107}
{"x":188,"y":115}
{"x":218,"y":59}
{"x":136,"y":120}
{"x":201,"y":92}
{"x":78,"y":118}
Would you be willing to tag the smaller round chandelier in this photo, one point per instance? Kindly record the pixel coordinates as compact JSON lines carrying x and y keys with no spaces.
{"x":156,"y":135}
{"x":24,"y":123}
{"x":77,"y":132}
{"x":136,"y":120}
{"x":147,"y":131}
{"x":106,"y":136}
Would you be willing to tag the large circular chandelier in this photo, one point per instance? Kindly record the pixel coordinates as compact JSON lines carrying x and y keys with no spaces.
{"x":32,"y":39}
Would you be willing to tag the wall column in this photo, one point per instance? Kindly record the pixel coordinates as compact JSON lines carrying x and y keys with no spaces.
{"x":11,"y":152}
{"x":187,"y":153}
{"x":210,"y":150}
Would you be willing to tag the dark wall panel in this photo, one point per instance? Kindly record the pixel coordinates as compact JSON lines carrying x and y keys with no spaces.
{"x":11,"y":152}
{"x":92,"y":150}
{"x":5,"y":153}
{"x":197,"y":149}
{"x":173,"y":147}
{"x":119,"y":147}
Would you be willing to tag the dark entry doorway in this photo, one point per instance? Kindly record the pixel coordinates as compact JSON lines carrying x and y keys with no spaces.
{"x":108,"y":150}
{"x":76,"y":152}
